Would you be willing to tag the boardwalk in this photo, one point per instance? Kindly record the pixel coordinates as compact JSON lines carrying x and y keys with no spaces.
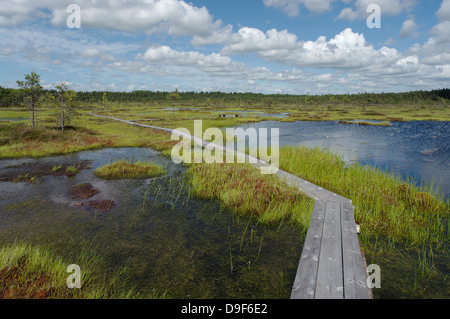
{"x":331,"y":264}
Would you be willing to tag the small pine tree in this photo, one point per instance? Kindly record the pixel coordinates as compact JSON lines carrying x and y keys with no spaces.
{"x":32,"y":90}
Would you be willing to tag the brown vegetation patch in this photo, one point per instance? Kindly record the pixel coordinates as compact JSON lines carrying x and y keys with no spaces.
{"x":13,"y":285}
{"x":395,"y":119}
{"x":83,"y":191}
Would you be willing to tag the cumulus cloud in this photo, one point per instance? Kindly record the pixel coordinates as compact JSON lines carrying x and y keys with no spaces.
{"x":409,"y":28}
{"x":166,"y":55}
{"x":347,"y":50}
{"x":348,"y":14}
{"x":173,"y":16}
{"x":221,"y":35}
{"x":444,"y":11}
{"x":254,"y":40}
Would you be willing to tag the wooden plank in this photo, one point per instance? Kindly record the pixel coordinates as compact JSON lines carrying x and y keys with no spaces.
{"x":310,"y":189}
{"x":305,"y":280}
{"x":329,"y":275}
{"x":355,"y":286}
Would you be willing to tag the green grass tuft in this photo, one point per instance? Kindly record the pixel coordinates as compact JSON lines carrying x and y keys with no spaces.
{"x":123,"y":169}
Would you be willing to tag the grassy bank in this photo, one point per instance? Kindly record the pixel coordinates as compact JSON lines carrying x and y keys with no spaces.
{"x":123,"y":169}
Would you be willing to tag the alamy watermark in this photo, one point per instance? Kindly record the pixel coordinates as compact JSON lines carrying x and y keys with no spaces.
{"x":374,"y":276}
{"x":74,"y":280}
{"x":374,"y":19}
{"x":74,"y":19}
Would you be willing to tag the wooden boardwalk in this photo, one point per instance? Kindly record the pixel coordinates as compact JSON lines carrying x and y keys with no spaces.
{"x":331,"y":264}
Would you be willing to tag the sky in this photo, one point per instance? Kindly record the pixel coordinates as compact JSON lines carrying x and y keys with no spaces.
{"x":261,"y":46}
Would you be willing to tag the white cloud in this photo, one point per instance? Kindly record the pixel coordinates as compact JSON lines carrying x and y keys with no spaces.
{"x":444,"y":11}
{"x":175,"y":17}
{"x":409,"y":28}
{"x":348,"y":14}
{"x":168,"y":56}
{"x":254,"y":40}
{"x":441,"y":31}
{"x":221,"y":35}
{"x":347,"y":50}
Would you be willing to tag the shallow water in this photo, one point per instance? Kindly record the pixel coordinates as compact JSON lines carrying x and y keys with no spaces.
{"x":170,"y":242}
{"x":417,"y":151}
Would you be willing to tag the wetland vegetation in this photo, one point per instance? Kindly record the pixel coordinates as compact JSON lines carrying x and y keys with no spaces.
{"x":403,"y":227}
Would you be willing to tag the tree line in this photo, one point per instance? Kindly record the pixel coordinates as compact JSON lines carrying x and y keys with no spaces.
{"x":15,"y":97}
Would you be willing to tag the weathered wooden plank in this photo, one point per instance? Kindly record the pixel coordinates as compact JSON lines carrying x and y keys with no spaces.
{"x":305,"y":280}
{"x":310,"y":189}
{"x":355,"y":286}
{"x":329,"y":275}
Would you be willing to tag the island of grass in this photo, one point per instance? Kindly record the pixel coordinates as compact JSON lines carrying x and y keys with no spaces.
{"x":368,"y":123}
{"x":123,"y":169}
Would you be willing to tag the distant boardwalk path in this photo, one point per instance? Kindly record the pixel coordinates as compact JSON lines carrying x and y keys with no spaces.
{"x":331,"y":264}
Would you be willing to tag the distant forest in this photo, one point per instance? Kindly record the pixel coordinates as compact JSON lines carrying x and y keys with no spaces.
{"x":13,"y":97}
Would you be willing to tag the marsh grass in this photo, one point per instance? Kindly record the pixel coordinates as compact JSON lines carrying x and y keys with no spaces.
{"x":124,"y":169}
{"x":384,"y":204}
{"x":246,"y":192}
{"x":32,"y":272}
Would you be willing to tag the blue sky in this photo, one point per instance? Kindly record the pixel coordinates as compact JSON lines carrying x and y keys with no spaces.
{"x":267,"y":46}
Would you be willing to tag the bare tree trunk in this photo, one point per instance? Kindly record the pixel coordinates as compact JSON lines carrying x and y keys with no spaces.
{"x":62,"y":116}
{"x":33,"y":123}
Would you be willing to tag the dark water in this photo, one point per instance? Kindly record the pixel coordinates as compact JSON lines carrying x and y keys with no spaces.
{"x":417,"y":151}
{"x":170,"y":242}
